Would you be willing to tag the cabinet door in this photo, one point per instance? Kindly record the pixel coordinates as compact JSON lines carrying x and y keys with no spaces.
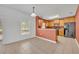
{"x":61,"y":32}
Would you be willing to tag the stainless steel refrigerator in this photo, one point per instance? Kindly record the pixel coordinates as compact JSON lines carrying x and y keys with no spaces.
{"x":69,"y":29}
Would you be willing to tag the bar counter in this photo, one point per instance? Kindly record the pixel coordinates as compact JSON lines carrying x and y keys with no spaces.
{"x":49,"y":34}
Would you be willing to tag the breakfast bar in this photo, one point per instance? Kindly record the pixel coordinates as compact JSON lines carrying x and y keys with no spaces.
{"x":49,"y":34}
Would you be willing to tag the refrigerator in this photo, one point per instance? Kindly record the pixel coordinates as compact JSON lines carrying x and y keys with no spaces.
{"x":69,"y":29}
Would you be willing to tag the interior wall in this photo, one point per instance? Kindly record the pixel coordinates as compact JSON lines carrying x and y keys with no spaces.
{"x":11,"y":21}
{"x":49,"y":34}
{"x":77,"y":24}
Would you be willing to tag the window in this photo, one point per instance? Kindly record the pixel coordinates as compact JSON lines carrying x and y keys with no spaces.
{"x":1,"y":31}
{"x":24,"y":28}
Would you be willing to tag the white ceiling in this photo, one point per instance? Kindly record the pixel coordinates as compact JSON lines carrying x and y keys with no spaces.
{"x":45,"y":10}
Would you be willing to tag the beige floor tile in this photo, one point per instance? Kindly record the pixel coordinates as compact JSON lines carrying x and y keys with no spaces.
{"x":39,"y":46}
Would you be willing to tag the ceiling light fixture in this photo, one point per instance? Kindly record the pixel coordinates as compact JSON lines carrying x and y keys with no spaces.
{"x":33,"y":13}
{"x":53,"y":17}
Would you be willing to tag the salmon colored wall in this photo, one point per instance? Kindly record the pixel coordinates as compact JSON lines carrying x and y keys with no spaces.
{"x":45,"y":33}
{"x":48,"y":34}
{"x":77,"y":24}
{"x":40,"y":22}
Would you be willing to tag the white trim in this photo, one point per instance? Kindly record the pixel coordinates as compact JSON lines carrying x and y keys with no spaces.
{"x":46,"y":39}
{"x":77,"y":43}
{"x":24,"y":33}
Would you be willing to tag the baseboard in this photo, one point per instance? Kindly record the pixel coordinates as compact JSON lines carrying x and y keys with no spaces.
{"x":10,"y":42}
{"x":77,"y":43}
{"x":46,"y":39}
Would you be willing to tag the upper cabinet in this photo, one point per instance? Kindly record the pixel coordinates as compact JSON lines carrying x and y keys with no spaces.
{"x":69,"y":19}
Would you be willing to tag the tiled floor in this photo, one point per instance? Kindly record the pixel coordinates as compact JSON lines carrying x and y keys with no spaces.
{"x":39,"y":46}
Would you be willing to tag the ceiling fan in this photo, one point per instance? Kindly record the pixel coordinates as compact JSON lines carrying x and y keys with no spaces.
{"x":33,"y":13}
